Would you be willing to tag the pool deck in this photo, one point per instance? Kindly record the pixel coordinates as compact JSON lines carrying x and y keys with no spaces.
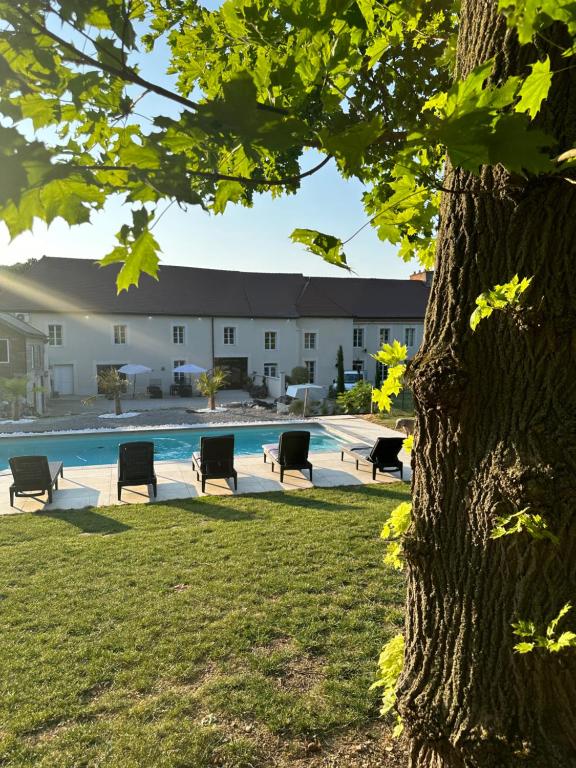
{"x":95,"y":486}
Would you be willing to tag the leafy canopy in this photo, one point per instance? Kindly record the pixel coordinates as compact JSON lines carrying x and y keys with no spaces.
{"x":265,"y":93}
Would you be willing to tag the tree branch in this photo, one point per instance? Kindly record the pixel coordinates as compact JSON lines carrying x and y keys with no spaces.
{"x":211,"y":175}
{"x":125,"y":73}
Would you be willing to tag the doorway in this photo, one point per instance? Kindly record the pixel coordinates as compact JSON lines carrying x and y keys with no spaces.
{"x":63,"y":379}
{"x":237,"y":368}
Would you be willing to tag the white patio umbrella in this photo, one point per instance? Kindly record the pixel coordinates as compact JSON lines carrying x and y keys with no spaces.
{"x":133,"y":369}
{"x":292,"y":391}
{"x":189,"y":368}
{"x":194,"y":370}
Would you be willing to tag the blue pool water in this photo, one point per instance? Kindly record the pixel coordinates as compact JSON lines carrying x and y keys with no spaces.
{"x":169,"y":445}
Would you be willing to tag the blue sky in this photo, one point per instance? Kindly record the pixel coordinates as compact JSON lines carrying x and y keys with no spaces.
{"x":254,"y":238}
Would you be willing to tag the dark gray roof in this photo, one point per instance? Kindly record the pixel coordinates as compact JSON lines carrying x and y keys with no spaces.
{"x":78,"y":285}
{"x":20,"y":326}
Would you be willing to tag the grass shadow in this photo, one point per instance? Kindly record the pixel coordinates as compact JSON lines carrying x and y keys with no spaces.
{"x":392,"y":491}
{"x":87,"y":520}
{"x":297,"y":499}
{"x":211,"y":508}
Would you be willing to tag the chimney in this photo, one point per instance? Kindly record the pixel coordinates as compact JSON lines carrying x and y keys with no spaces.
{"x":424,"y":276}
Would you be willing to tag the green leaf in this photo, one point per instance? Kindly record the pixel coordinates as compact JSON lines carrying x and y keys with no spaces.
{"x":326,"y":246}
{"x":14,"y":179}
{"x":139,"y":156}
{"x":398,"y":522}
{"x":524,"y":520}
{"x":524,"y":647}
{"x":227,"y":192}
{"x":390,"y":665}
{"x":367,"y":11}
{"x":39,"y":109}
{"x":349,"y":145}
{"x":565,"y":640}
{"x":140,"y":255}
{"x":504,"y":296}
{"x":377,"y":50}
{"x":551,"y":629}
{"x":535,"y":88}
{"x":392,"y":354}
{"x":548,"y":641}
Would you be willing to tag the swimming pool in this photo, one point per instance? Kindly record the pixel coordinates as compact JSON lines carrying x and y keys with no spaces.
{"x":169,"y":445}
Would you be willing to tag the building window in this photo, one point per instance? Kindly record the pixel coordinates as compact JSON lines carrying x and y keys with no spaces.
{"x":179,"y":378}
{"x":4,"y":351}
{"x":32,"y":351}
{"x":384,"y":336}
{"x":55,"y":335}
{"x":311,"y":370}
{"x":119,"y":334}
{"x":358,"y":365}
{"x":270,"y":340}
{"x":229,"y":335}
{"x":178,"y":334}
{"x":381,"y":372}
{"x":409,"y":337}
{"x":309,"y":340}
{"x":358,"y":337}
{"x":271,"y":369}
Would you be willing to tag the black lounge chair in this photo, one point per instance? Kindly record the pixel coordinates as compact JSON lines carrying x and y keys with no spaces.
{"x":215,"y":460}
{"x":34,"y":476}
{"x":383,"y":455}
{"x":136,"y":465}
{"x":290,"y":453}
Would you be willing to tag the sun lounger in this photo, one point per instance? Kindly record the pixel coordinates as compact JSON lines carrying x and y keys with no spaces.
{"x":34,"y":476}
{"x":290,"y":453}
{"x":136,"y":465}
{"x":215,"y":460}
{"x":383,"y":455}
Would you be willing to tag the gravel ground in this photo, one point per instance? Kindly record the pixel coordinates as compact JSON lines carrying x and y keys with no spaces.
{"x":167,"y":416}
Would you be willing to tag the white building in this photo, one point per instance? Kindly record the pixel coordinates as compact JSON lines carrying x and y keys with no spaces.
{"x":252,"y":323}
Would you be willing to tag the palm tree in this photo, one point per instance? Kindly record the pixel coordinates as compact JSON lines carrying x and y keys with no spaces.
{"x":210,"y":382}
{"x":112,"y":384}
{"x":14,"y":390}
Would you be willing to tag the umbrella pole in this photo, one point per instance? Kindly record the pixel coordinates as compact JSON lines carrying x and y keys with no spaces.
{"x":305,"y":401}
{"x":134,"y":389}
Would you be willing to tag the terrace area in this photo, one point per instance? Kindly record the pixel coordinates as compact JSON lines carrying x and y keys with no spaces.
{"x":95,"y":485}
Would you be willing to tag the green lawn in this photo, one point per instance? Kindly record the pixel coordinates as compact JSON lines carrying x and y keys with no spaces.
{"x":231,"y":632}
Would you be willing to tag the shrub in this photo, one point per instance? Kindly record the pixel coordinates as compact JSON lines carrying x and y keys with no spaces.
{"x":356,"y":400}
{"x":296,"y":407}
{"x":299,"y":375}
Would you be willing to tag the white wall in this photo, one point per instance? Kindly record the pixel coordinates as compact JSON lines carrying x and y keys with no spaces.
{"x":88,"y":341}
{"x":372,"y":341}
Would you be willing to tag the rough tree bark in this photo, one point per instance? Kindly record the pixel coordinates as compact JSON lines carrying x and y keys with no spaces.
{"x":496,"y":433}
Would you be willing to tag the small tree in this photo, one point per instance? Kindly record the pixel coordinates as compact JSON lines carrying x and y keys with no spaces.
{"x":210,"y":382}
{"x":112,"y":384}
{"x":299,"y":375}
{"x":14,"y":390}
{"x":340,"y":366}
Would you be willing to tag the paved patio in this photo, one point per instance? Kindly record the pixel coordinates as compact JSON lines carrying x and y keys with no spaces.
{"x":96,"y":485}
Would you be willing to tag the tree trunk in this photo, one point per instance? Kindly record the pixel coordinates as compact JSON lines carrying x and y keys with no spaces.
{"x":496,"y":433}
{"x":212,"y":402}
{"x":117,"y":404}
